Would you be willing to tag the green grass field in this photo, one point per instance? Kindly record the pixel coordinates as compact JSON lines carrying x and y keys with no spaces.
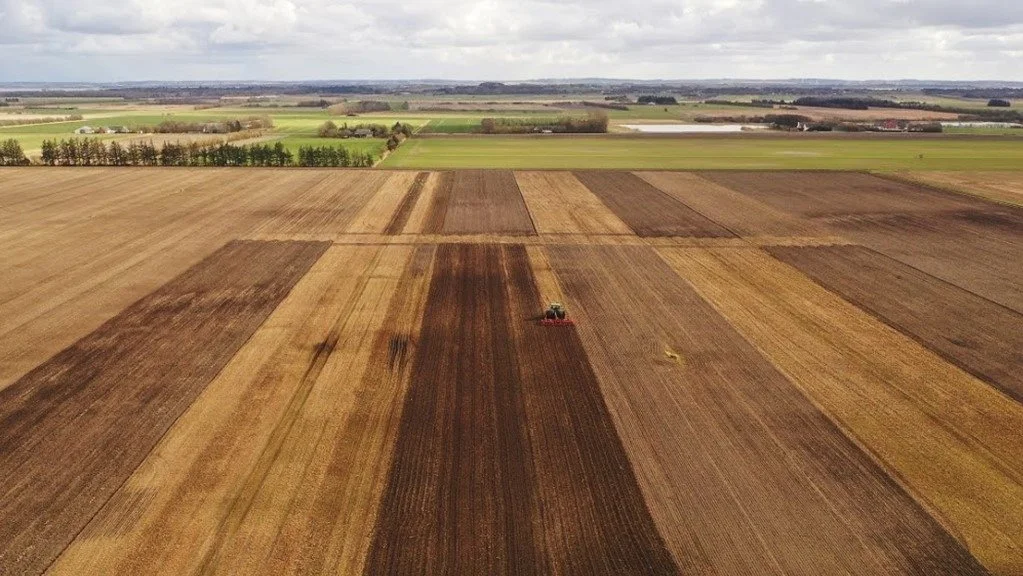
{"x":453,"y":125}
{"x":984,"y":131}
{"x":708,"y":153}
{"x":297,"y":126}
{"x":374,"y":146}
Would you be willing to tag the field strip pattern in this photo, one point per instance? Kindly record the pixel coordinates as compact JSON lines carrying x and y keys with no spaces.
{"x":742,"y":215}
{"x":564,"y":239}
{"x":421,"y":216}
{"x":503,"y":458}
{"x":963,"y":240}
{"x":320,"y":431}
{"x":949,"y":438}
{"x":977,"y":335}
{"x":486,"y":202}
{"x":377,"y":214}
{"x":408,"y":204}
{"x":120,"y":389}
{"x":741,"y":472}
{"x":647,"y":210}
{"x":305,"y":371}
{"x":560,"y":204}
{"x":328,"y":207}
{"x":84,"y":266}
{"x":1002,"y":187}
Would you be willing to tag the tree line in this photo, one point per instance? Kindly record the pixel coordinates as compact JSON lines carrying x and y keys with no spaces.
{"x":395,"y":135}
{"x":11,"y":154}
{"x":360,"y":107}
{"x":592,"y":123}
{"x":95,"y":152}
{"x":331,"y":130}
{"x":658,"y":100}
{"x":210,"y":127}
{"x":45,"y":120}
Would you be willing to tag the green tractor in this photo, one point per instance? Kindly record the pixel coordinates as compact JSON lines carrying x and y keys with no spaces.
{"x":556,"y":315}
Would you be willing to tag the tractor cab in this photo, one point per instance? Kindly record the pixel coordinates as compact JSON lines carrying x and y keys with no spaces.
{"x":556,"y":315}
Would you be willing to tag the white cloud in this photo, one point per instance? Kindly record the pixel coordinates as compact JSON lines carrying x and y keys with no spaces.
{"x":508,"y":39}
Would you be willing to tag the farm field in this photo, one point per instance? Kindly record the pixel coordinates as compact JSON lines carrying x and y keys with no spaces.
{"x":294,"y":126}
{"x":746,"y":152}
{"x":1004,"y":187}
{"x":305,"y":371}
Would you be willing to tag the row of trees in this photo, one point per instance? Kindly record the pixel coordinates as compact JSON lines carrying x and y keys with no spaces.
{"x":360,"y":107}
{"x":333,"y":156}
{"x":659,"y":100}
{"x":395,"y":134}
{"x":331,"y":130}
{"x":592,"y":123}
{"x":211,"y":127}
{"x":95,"y":152}
{"x":11,"y":153}
{"x":44,"y":120}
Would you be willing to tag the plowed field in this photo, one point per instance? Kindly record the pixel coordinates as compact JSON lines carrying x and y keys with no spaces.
{"x":342,"y":372}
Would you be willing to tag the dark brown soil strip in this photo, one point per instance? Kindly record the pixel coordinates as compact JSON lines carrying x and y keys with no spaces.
{"x":461,"y":497}
{"x":401,"y":215}
{"x":487,"y":202}
{"x":439,"y":207}
{"x":743,"y":474}
{"x":594,"y":518}
{"x":73,"y":429}
{"x":647,"y":210}
{"x":817,"y":194}
{"x":977,"y":335}
{"x":506,"y":460}
{"x":953,"y":246}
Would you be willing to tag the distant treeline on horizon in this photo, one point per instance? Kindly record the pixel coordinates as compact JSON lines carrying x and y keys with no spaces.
{"x":174,"y":92}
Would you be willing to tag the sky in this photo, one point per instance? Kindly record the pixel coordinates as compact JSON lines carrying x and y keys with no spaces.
{"x":125,"y":40}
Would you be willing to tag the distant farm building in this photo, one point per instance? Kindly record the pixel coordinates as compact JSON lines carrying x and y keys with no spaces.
{"x":103,"y":130}
{"x":363,"y":133}
{"x":892,"y":126}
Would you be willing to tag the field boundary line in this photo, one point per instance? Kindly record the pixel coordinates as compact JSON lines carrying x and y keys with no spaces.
{"x":944,"y":281}
{"x":874,"y":456}
{"x":170,"y":428}
{"x":280,"y":434}
{"x":912,"y":336}
{"x":686,"y":204}
{"x":959,"y":524}
{"x":902,"y":177}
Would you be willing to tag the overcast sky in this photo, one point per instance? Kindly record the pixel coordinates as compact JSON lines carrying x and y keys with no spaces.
{"x":107,"y":40}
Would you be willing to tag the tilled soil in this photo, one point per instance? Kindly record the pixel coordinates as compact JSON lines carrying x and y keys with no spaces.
{"x":486,"y":202}
{"x":822,"y":194}
{"x":401,"y":216}
{"x":973,"y":333}
{"x":770,"y":373}
{"x":73,"y":429}
{"x":505,"y":440}
{"x":560,"y":204}
{"x":961,"y":239}
{"x":741,"y":214}
{"x":647,"y":210}
{"x":951,"y":440}
{"x":743,"y":473}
